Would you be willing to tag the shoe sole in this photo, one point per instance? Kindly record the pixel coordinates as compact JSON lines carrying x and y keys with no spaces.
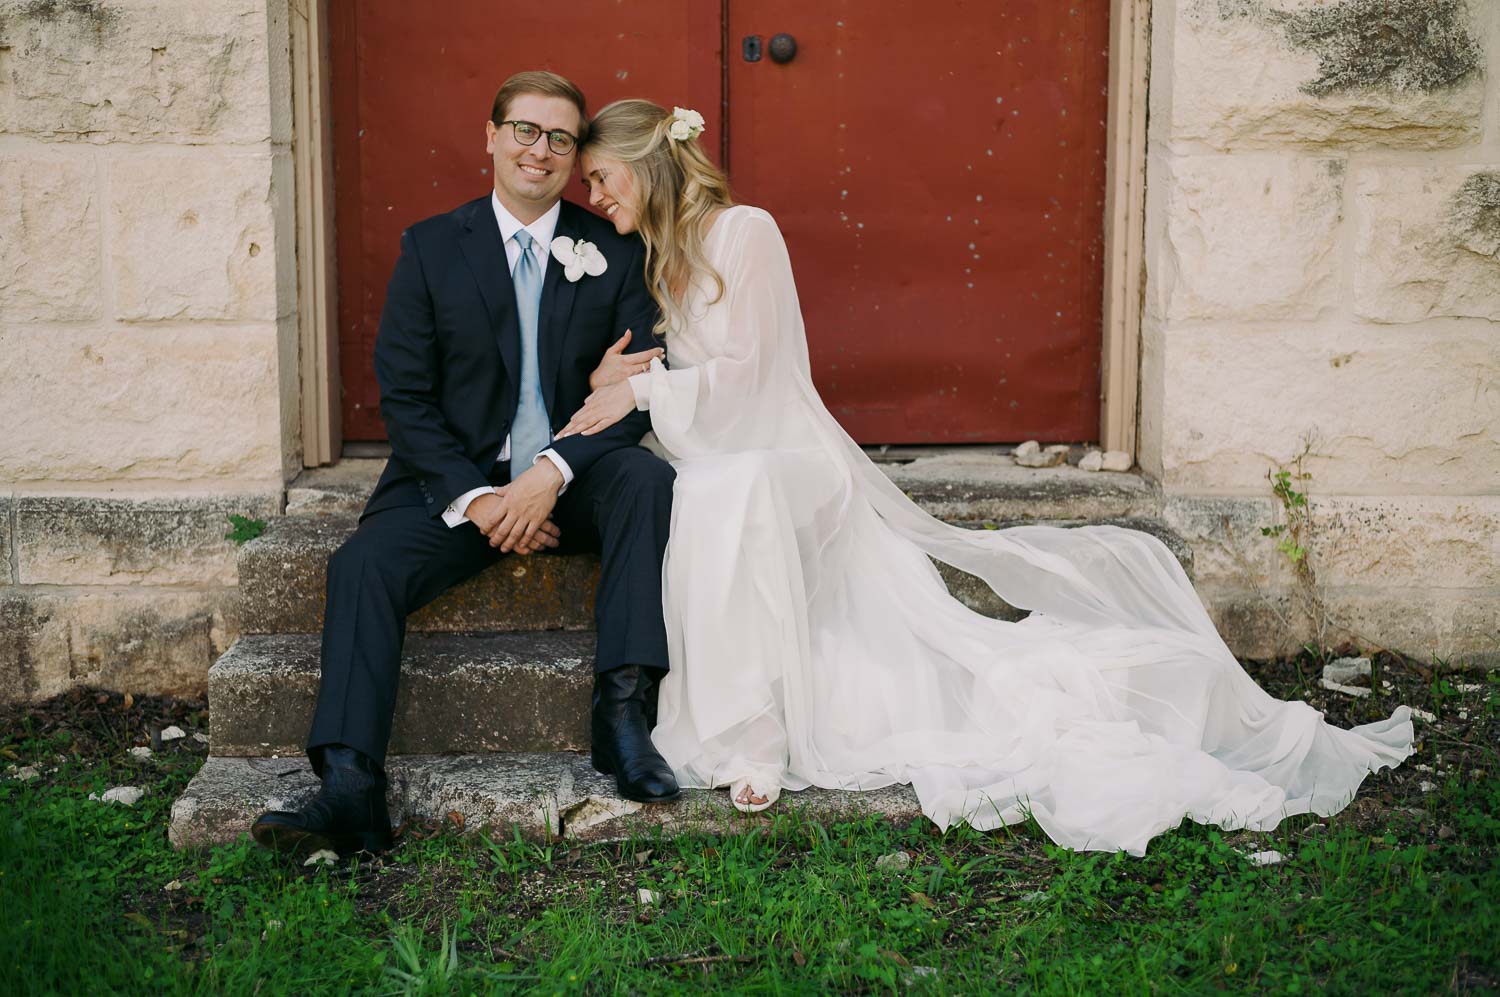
{"x":300,"y":844}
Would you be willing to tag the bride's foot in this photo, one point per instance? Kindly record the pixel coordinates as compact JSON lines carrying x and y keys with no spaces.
{"x":750,"y":798}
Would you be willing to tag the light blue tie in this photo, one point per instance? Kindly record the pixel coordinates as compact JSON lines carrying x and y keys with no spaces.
{"x":529,"y":431}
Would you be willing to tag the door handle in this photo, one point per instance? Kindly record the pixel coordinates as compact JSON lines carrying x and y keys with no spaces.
{"x":783,"y":48}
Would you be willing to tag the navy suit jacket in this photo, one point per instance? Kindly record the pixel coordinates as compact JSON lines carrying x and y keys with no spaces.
{"x":448,"y":353}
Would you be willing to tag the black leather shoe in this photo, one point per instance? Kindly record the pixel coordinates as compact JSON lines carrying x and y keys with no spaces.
{"x":348,"y":814}
{"x":622,"y":738}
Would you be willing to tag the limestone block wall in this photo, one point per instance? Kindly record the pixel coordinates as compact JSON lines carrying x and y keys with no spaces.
{"x":147,"y":329}
{"x":1323,"y":273}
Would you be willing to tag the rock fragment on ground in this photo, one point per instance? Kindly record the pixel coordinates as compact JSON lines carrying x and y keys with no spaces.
{"x":648,"y":898}
{"x":141,"y":754}
{"x":1032,"y":454}
{"x":127,"y":795}
{"x":1270,"y":857}
{"x":1348,"y":690}
{"x":1345,"y":670}
{"x":1092,"y":461}
{"x":25,"y":773}
{"x":322,"y":856}
{"x":894,"y":862}
{"x":1117,"y":460}
{"x":173,"y":733}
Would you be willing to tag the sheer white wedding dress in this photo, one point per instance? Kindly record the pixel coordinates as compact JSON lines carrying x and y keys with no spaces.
{"x":813,"y":642}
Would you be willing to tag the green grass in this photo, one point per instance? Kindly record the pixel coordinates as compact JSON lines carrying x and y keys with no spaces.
{"x":1398,"y":894}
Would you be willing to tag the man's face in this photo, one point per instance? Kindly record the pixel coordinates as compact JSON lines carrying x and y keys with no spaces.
{"x":530,"y":178}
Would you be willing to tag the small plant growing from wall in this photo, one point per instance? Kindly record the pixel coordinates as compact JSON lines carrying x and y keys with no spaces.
{"x":244,"y":529}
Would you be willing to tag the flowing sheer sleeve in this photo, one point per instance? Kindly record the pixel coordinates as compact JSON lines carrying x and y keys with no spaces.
{"x":738,"y":399}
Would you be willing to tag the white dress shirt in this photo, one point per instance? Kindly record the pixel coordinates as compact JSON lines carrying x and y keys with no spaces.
{"x":541,"y":232}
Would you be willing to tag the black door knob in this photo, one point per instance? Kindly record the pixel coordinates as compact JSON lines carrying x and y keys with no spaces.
{"x":783,"y":48}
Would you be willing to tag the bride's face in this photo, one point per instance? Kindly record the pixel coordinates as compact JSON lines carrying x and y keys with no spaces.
{"x":612,"y":189}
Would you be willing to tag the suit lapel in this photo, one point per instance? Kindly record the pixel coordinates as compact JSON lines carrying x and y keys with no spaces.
{"x":484,"y":252}
{"x":557,"y":308}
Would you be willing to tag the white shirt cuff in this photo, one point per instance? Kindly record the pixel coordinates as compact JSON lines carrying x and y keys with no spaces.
{"x":454,"y":514}
{"x":560,"y":464}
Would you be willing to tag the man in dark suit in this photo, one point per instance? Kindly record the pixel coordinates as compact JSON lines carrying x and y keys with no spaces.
{"x":485,"y":350}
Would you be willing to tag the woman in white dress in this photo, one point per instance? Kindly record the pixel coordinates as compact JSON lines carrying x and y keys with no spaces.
{"x":813,"y":642}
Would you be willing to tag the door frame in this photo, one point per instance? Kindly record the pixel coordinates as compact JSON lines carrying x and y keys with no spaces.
{"x":1124,"y":229}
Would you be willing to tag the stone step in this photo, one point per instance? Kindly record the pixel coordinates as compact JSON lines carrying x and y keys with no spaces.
{"x":283,"y":572}
{"x":964,"y":484}
{"x":546,"y":796}
{"x":458,"y":692}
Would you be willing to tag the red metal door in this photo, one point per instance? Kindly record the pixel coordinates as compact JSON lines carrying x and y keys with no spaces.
{"x":937,"y":169}
{"x":412,"y":87}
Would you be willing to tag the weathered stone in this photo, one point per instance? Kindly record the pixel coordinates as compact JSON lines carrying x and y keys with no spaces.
{"x":194,"y":405}
{"x":49,"y":238}
{"x":340,"y":489}
{"x":493,"y":692}
{"x":283,"y":576}
{"x":1118,"y":461}
{"x":85,"y":540}
{"x":1409,"y":409}
{"x":1243,"y":74}
{"x":1092,"y":461}
{"x":1247,"y":238}
{"x":140,"y":70}
{"x":544,"y":796}
{"x":1224,"y":533}
{"x":1447,"y":542}
{"x":127,"y":796}
{"x":126,"y":639}
{"x":1427,"y":242}
{"x":1052,"y":456}
{"x":194,"y":237}
{"x":7,"y":533}
{"x":961,"y":487}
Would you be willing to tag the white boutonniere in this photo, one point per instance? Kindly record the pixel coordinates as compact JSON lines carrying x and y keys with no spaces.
{"x":578,"y":258}
{"x":686,"y":124}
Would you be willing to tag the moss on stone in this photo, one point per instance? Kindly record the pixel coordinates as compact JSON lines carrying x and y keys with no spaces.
{"x":1474,"y":214}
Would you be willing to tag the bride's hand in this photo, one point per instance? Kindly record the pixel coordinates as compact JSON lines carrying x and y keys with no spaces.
{"x":617,"y":365}
{"x":601,"y":410}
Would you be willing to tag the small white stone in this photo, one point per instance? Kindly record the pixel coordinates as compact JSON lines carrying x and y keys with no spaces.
{"x":1468,"y":687}
{"x":25,"y":773}
{"x":1346,"y":670}
{"x":173,"y":733}
{"x":1092,"y":461}
{"x":322,"y":856}
{"x":1424,"y":768}
{"x":1034,"y":897}
{"x":1050,"y":457}
{"x":894,"y":862}
{"x":1117,"y":460}
{"x":648,"y":897}
{"x":173,"y":886}
{"x":1423,"y":715}
{"x":1028,"y":449}
{"x":1348,"y":690}
{"x":1264,"y":858}
{"x":1426,"y":786}
{"x":127,"y":795}
{"x":200,"y":737}
{"x":1463,"y":714}
{"x":140,"y":754}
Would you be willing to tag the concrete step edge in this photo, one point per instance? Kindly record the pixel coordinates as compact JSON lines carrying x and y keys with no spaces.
{"x":544,"y":795}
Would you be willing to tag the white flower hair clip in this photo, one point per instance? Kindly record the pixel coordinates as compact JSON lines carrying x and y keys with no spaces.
{"x":686,"y":124}
{"x":578,"y":258}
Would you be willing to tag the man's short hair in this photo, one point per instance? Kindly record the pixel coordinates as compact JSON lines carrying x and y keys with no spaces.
{"x":540,"y":81}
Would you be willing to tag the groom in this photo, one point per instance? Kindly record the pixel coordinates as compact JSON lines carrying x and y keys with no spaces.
{"x":485,"y":348}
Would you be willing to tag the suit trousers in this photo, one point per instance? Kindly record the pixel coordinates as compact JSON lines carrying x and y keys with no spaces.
{"x":401,"y":558}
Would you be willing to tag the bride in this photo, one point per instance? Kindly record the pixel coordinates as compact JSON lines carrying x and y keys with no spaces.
{"x":813,"y":642}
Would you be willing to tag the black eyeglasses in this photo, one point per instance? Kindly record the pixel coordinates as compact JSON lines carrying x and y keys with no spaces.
{"x":527,"y":132}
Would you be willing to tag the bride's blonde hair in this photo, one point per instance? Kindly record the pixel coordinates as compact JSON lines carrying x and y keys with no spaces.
{"x":677,"y":188}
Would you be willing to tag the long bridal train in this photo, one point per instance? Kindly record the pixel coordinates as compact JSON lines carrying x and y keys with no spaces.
{"x":814,"y":643}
